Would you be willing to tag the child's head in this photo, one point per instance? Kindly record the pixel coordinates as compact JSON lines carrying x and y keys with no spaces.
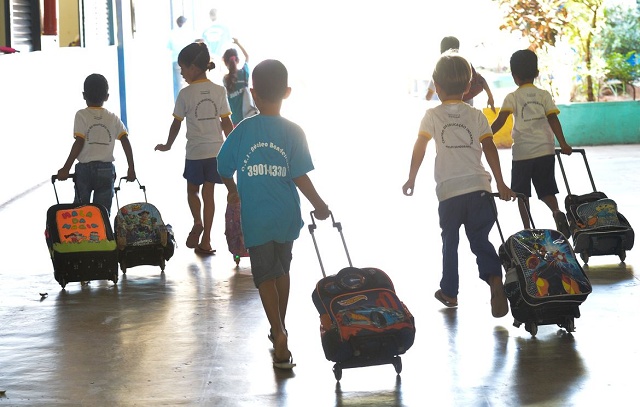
{"x":452,"y":73}
{"x":524,"y":65}
{"x":96,"y":89}
{"x":270,"y":80}
{"x":196,"y":54}
{"x":230,"y":58}
{"x":448,"y":43}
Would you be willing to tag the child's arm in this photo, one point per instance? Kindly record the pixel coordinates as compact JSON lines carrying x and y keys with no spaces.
{"x":554,"y":122}
{"x":490,"y":102}
{"x":173,"y":133}
{"x":304,"y":184}
{"x":76,"y":148}
{"x":419,"y":149}
{"x":244,"y":51}
{"x":499,"y":121}
{"x":491,"y":153}
{"x":227,"y":125}
{"x":128,"y":152}
{"x":232,"y":190}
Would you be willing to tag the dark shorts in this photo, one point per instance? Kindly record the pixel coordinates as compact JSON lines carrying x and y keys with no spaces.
{"x":540,"y":171}
{"x":197,"y":172}
{"x":270,"y":261}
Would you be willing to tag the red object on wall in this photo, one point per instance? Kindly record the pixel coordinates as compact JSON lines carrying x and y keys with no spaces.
{"x":50,"y":18}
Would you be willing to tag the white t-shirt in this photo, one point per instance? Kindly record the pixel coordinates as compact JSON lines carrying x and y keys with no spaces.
{"x":100,"y":129}
{"x":532,"y":134}
{"x":203,"y":103}
{"x":457,"y":130}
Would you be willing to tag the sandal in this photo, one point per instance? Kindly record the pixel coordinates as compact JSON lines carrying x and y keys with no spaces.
{"x":204,"y":252}
{"x":194,"y":236}
{"x":284,"y":364}
{"x":440,"y":297}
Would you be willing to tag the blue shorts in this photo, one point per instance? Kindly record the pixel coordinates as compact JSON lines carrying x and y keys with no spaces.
{"x":197,"y":172}
{"x":270,"y":261}
{"x":540,"y":171}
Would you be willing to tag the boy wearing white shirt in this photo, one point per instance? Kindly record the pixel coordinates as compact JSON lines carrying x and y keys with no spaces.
{"x":535,"y":122}
{"x":462,"y":134}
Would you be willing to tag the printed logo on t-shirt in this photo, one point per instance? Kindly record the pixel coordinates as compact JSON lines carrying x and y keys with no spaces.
{"x":98,"y":134}
{"x":454,"y":135}
{"x":206,"y":109}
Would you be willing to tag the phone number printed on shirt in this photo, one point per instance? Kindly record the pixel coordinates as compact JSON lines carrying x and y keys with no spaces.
{"x":266,"y":169}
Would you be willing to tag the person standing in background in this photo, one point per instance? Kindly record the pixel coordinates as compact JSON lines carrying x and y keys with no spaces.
{"x":180,"y":37}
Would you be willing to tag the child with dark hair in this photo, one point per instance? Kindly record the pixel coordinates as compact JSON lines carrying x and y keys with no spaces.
{"x":205,"y":107}
{"x":478,"y":83}
{"x":463,"y":186}
{"x":535,"y":123}
{"x":96,"y":130}
{"x":271,"y":157}
{"x":237,"y":83}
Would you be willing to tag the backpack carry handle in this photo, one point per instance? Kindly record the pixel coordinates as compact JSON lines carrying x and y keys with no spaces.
{"x":586,"y":163}
{"x":337,"y":225}
{"x":519,"y":195}
{"x":53,"y":182}
{"x":142,"y":187}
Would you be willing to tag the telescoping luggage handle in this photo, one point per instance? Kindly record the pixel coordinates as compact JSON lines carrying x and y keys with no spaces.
{"x":337,"y":225}
{"x":586,"y":163}
{"x":53,"y":182}
{"x":142,"y":187}
{"x":526,"y":205}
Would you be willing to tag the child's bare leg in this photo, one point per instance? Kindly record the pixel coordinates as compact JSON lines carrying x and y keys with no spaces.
{"x":193,"y":198}
{"x":271,"y":303}
{"x":208,"y":211}
{"x":523,"y":212}
{"x":551,"y":202}
{"x":282,"y":285}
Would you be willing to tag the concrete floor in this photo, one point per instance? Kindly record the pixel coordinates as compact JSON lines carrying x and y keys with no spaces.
{"x":196,"y":334}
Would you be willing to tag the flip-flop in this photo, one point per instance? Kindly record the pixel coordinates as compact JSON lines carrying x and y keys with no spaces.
{"x":284,"y":364}
{"x":204,"y":252}
{"x":194,"y":236}
{"x":447,"y":303}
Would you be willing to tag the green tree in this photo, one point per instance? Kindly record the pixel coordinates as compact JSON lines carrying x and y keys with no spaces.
{"x":544,"y":22}
{"x":625,"y":68}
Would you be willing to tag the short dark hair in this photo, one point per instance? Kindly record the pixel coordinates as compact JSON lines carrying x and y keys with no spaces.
{"x":452,"y":73}
{"x":448,"y":43}
{"x":270,"y":80}
{"x":524,"y":64}
{"x":96,"y":89}
{"x":196,"y":54}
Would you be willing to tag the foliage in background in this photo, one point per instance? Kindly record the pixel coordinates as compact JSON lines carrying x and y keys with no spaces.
{"x":624,"y":68}
{"x":546,"y":22}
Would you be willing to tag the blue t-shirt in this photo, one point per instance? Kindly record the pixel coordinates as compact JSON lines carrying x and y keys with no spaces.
{"x":267,"y":152}
{"x":236,"y":97}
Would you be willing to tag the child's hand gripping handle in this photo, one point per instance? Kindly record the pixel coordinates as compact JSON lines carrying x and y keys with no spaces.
{"x":337,"y":225}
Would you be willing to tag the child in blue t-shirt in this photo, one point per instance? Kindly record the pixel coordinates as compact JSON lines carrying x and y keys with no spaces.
{"x":271,"y":157}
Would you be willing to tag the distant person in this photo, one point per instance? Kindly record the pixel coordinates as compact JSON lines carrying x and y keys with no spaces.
{"x":180,"y":37}
{"x":535,"y":123}
{"x":237,"y":83}
{"x":271,"y":157}
{"x":478,"y":83}
{"x":463,"y":187}
{"x":205,"y":107}
{"x":96,"y":130}
{"x":216,"y":36}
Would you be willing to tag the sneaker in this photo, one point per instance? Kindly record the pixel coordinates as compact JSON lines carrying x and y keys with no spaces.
{"x":562,"y":225}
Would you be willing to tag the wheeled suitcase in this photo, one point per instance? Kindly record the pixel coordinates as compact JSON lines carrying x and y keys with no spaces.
{"x":233,"y":232}
{"x":597,"y":228}
{"x":362,"y":320}
{"x":142,"y":236}
{"x":80,"y":241}
{"x":544,"y":282}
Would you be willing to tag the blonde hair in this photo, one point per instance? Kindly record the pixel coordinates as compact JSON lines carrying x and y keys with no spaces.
{"x":452,"y":73}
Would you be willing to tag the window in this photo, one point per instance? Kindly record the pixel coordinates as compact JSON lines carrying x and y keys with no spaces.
{"x":23,"y":31}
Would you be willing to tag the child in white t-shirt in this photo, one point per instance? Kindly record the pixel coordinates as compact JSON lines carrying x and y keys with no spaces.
{"x":96,"y":130}
{"x":535,"y":122}
{"x":463,"y":187}
{"x":204,"y":106}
